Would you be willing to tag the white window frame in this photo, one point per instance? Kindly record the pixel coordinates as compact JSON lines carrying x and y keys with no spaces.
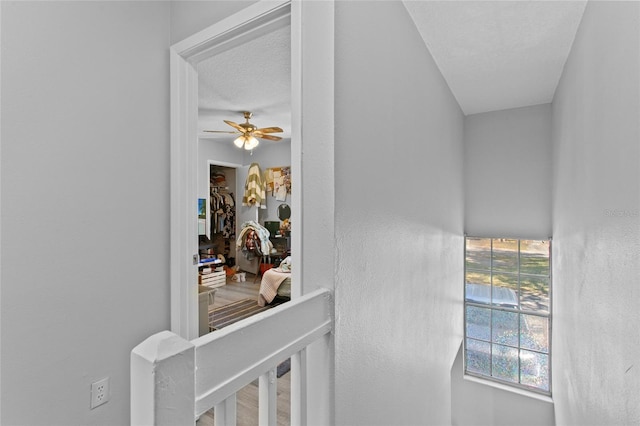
{"x":505,"y":384}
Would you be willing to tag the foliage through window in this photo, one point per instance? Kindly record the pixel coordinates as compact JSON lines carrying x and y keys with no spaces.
{"x":508,"y":311}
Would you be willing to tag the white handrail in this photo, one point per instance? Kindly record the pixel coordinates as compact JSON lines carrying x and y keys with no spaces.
{"x":174,"y":381}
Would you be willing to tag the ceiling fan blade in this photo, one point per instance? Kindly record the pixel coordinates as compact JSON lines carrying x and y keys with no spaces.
{"x":220,"y":131}
{"x":270,"y":130}
{"x":270,"y":137}
{"x":235,"y":126}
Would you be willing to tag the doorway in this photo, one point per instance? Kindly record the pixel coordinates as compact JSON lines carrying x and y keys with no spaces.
{"x":250,"y":84}
{"x":312,"y":122}
{"x":219,"y":229}
{"x":219,"y":39}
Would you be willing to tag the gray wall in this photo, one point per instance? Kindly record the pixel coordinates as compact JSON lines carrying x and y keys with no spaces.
{"x":477,"y":404}
{"x":188,"y":17}
{"x":217,"y":151}
{"x":85,"y":203}
{"x":399,"y":218}
{"x":85,"y":197}
{"x":596,"y":221}
{"x":508,"y":165}
{"x":507,"y":157}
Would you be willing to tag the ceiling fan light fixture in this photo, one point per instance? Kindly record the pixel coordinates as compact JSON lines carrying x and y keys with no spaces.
{"x":249,"y":133}
{"x":250,"y":143}
{"x":240,"y":140}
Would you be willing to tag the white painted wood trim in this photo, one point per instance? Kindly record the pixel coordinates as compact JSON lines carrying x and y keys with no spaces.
{"x":183,"y":199}
{"x":162,"y":367}
{"x":225,"y":413}
{"x":268,"y":398}
{"x":313,"y":236}
{"x":245,"y":350}
{"x":299,"y":400}
{"x":0,"y":206}
{"x":296,"y":150}
{"x":223,"y":164}
{"x":248,"y":23}
{"x":175,"y":381}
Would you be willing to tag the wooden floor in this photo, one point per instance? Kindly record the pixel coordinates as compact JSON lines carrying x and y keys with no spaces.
{"x":247,"y":405}
{"x":247,"y":397}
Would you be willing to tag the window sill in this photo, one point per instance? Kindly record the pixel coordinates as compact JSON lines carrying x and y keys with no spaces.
{"x":508,"y":388}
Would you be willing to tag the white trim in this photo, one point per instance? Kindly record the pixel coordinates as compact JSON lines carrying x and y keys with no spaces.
{"x":209,"y":371}
{"x":268,"y":398}
{"x":250,"y":22}
{"x":223,"y":164}
{"x":183,"y":199}
{"x":223,"y":367}
{"x":0,"y":207}
{"x":313,"y":235}
{"x":507,"y":388}
{"x":296,"y":152}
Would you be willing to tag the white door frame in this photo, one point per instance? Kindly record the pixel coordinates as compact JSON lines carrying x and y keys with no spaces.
{"x":249,"y":23}
{"x":312,"y":168}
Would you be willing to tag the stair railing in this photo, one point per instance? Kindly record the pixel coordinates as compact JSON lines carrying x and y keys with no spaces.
{"x":174,"y":381}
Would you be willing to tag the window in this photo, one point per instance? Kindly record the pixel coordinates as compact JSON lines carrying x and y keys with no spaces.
{"x":508,"y":311}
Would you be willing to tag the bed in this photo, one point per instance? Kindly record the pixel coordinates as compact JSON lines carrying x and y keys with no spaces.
{"x":275,"y":285}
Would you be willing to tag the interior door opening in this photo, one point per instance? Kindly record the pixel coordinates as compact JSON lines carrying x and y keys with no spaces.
{"x":244,"y":178}
{"x":258,"y":18}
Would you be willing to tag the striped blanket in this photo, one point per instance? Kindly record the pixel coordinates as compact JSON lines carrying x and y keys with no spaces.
{"x":271,"y":280}
{"x":255,"y":188}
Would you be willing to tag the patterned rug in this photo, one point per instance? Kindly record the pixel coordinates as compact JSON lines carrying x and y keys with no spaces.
{"x":234,"y":312}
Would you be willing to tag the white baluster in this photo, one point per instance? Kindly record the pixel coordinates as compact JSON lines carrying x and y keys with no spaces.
{"x":268,"y":398}
{"x":224,"y":414}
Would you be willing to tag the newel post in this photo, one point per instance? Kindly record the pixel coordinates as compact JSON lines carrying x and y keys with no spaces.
{"x":163,"y":381}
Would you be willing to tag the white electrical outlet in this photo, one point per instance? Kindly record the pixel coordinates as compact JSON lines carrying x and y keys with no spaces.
{"x":99,"y":392}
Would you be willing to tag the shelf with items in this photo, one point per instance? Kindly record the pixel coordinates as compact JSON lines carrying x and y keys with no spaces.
{"x":211,"y":271}
{"x":281,"y":244}
{"x":213,"y":262}
{"x":211,"y":274}
{"x":213,"y":279}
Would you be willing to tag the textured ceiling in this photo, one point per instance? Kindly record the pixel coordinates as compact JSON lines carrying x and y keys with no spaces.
{"x":496,"y":55}
{"x":254,"y":77}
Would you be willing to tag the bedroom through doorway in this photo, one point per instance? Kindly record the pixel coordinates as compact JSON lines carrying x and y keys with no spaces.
{"x":244,"y":178}
{"x":244,"y":249}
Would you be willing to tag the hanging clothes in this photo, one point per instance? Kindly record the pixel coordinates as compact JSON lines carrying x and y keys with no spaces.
{"x":254,"y":188}
{"x":228,"y":215}
{"x":223,"y":213}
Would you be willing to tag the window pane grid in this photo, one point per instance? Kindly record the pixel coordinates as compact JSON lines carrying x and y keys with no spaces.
{"x":522,"y":274}
{"x":514,"y":306}
{"x":525,"y":274}
{"x":502,"y":308}
{"x":506,"y":345}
